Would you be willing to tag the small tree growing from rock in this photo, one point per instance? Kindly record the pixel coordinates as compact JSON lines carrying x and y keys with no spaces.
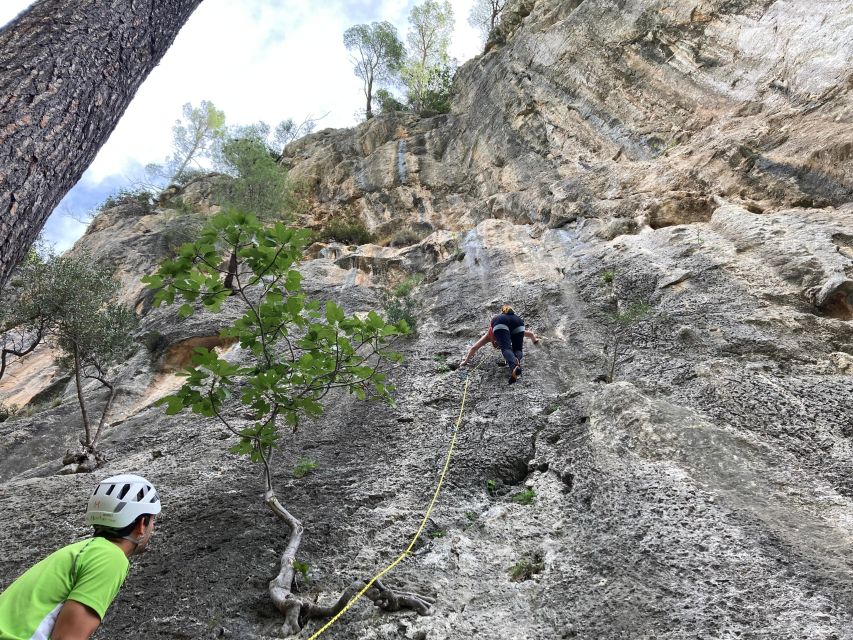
{"x":65,"y":301}
{"x":297,"y":352}
{"x":93,"y":334}
{"x":617,"y":347}
{"x":90,"y":348}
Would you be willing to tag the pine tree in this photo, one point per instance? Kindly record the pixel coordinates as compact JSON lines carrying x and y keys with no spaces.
{"x":69,"y":70}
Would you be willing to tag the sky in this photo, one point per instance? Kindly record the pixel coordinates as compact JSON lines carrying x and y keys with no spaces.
{"x":255,"y":60}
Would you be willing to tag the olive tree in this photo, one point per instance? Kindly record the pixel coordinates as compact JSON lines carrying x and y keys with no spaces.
{"x":92,"y":332}
{"x":68,"y":303}
{"x":294,"y":352}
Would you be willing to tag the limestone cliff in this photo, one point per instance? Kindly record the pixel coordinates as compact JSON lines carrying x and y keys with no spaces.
{"x":692,"y":160}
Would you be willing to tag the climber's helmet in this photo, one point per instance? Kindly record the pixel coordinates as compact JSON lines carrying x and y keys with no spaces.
{"x":118,"y":501}
{"x":507,"y":309}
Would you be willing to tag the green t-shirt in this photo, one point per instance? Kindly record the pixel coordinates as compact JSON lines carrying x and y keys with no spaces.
{"x":90,"y":572}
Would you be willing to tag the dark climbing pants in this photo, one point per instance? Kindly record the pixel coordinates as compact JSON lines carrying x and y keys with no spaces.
{"x":505,"y":344}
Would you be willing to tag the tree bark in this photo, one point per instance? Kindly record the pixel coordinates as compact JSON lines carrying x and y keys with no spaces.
{"x":105,"y":412}
{"x":68,"y":70}
{"x":369,"y":98}
{"x":80,"y":399}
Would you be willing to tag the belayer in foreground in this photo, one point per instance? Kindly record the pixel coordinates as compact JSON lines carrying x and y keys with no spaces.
{"x":506,"y":332}
{"x":65,"y":596}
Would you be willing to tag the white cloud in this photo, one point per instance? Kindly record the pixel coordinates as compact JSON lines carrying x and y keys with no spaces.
{"x":255,"y":60}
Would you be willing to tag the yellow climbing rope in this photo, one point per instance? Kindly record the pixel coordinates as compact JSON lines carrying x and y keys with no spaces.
{"x":420,"y":530}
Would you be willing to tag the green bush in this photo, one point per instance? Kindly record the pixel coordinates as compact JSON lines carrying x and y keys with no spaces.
{"x":439,"y":91}
{"x":388,"y":103}
{"x":303,"y":467}
{"x":400,"y":304}
{"x":347,"y":230}
{"x":406,"y":287}
{"x":407,"y":237}
{"x":525,"y":497}
{"x":526,"y":568}
{"x":179,"y":230}
{"x":8,"y":411}
{"x":141,"y":197}
{"x":180,"y":205}
{"x":302,"y":569}
{"x":260,"y":184}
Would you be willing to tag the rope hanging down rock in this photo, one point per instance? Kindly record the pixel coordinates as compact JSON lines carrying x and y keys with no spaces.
{"x":420,"y":530}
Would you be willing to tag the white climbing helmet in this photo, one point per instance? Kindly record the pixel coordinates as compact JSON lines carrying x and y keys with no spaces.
{"x":117,"y":501}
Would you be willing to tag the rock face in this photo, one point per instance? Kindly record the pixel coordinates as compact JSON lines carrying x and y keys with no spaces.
{"x":663,"y":190}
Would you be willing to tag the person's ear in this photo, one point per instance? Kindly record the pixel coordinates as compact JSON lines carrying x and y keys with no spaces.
{"x":141,"y":525}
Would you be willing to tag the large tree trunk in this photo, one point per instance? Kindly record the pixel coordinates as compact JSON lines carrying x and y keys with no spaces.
{"x":68,"y":70}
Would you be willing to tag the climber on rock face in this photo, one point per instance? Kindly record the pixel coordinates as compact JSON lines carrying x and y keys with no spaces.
{"x":506,"y":333}
{"x":66,"y":595}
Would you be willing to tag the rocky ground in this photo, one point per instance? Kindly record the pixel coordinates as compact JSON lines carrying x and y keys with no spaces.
{"x":704,"y":492}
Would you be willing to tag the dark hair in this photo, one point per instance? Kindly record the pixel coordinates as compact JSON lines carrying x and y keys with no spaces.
{"x":108,"y":533}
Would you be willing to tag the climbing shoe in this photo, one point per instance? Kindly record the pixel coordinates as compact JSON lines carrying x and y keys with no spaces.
{"x":516,"y":373}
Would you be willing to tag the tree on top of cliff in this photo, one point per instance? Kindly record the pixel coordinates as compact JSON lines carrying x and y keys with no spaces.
{"x":376,"y":54}
{"x":485,"y":15}
{"x":194,"y":138}
{"x":69,"y":70}
{"x":430,"y":29}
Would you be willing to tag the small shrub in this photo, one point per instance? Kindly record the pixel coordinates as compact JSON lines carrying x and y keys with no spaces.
{"x":302,"y":569}
{"x":607,"y":277}
{"x":617,"y":347}
{"x":634,"y":312}
{"x":441,"y":363}
{"x":179,"y":230}
{"x":387,"y":102}
{"x":400,"y":303}
{"x":492,"y":486}
{"x":407,"y":237}
{"x":525,"y":497}
{"x":406,"y":286}
{"x":526,"y":568}
{"x":142,"y":197}
{"x":349,"y":230}
{"x":179,"y":205}
{"x":8,"y":411}
{"x":303,"y":467}
{"x":188,"y":176}
{"x":472,"y":516}
{"x":438,"y":533}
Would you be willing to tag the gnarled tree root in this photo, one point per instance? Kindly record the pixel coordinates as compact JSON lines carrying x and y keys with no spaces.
{"x":297,"y":611}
